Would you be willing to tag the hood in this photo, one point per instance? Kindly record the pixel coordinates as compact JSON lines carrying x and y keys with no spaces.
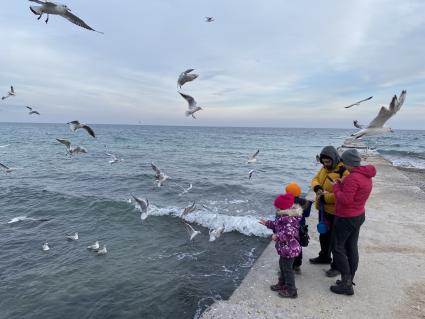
{"x":366,"y":170}
{"x":332,"y":153}
{"x":295,"y":210}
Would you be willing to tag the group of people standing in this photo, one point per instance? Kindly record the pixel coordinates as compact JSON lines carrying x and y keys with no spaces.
{"x":342,"y":187}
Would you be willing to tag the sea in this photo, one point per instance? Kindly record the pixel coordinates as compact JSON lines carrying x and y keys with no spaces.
{"x":152,"y":269}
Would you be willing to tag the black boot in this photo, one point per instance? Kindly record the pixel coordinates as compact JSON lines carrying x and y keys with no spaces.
{"x":279,"y":286}
{"x":344,"y":286}
{"x":288,"y":292}
{"x":320,"y":260}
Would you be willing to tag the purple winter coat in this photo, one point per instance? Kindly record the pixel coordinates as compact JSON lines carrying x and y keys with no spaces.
{"x":286,"y":226}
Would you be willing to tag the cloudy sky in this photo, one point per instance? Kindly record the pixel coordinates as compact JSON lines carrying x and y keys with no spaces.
{"x":274,"y":63}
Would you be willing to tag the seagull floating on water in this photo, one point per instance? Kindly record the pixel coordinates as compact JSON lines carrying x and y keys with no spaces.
{"x":72,"y":237}
{"x":253,"y":158}
{"x":143,"y":206}
{"x":193,"y":108}
{"x":376,"y":127}
{"x":191,"y":231}
{"x":358,"y":103}
{"x":9,"y":94}
{"x":209,"y":19}
{"x":72,"y":149}
{"x":45,"y":246}
{"x":48,"y":7}
{"x":189,"y":209}
{"x":216,"y":233}
{"x":113,"y":159}
{"x":102,"y":251}
{"x":185,"y":77}
{"x":95,"y":246}
{"x":1,"y":146}
{"x":160,"y":176}
{"x":75,"y":125}
{"x":32,"y":111}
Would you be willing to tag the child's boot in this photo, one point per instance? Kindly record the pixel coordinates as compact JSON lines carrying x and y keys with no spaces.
{"x":288,"y":292}
{"x":279,"y":286}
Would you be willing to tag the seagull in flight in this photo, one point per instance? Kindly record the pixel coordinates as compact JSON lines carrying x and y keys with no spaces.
{"x":72,"y":149}
{"x":250,"y":174}
{"x":189,"y":209}
{"x":253,"y":158}
{"x":185,"y":77}
{"x":48,"y":7}
{"x":32,"y":111}
{"x":75,"y":125}
{"x":216,"y":233}
{"x":356,"y":124}
{"x":9,"y":94}
{"x":358,"y":103}
{"x":209,"y":19}
{"x":113,"y":159}
{"x":191,"y":231}
{"x":185,"y":190}
{"x":72,"y":237}
{"x":102,"y":251}
{"x":95,"y":246}
{"x":160,"y":176}
{"x":143,"y":206}
{"x":7,"y":169}
{"x":376,"y":127}
{"x":45,"y":246}
{"x":193,"y":108}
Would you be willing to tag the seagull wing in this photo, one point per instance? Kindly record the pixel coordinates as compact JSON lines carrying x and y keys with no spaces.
{"x":188,"y":71}
{"x":29,"y":108}
{"x":4,"y":166}
{"x":38,"y":1}
{"x":12,"y":90}
{"x":190,"y":100}
{"x":156,"y":169}
{"x":35,"y":112}
{"x":73,"y":125}
{"x":142,"y":203}
{"x":255,"y":155}
{"x":189,"y":228}
{"x":89,"y":130}
{"x":64,"y":142}
{"x":385,"y":114}
{"x":76,"y":20}
{"x":357,"y":103}
{"x":356,"y":124}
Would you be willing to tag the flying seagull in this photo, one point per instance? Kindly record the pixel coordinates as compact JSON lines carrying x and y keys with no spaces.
{"x":143,"y":205}
{"x":192,"y":105}
{"x":6,"y":169}
{"x":356,"y":124}
{"x":9,"y":94}
{"x":250,"y":173}
{"x":95,"y":246}
{"x":191,"y":231}
{"x":45,"y":246}
{"x":185,"y":190}
{"x":160,"y":176}
{"x":188,"y":209}
{"x":102,"y":251}
{"x":72,"y":149}
{"x":209,"y":19}
{"x":48,"y":7}
{"x":253,"y":158}
{"x":75,"y":125}
{"x":358,"y":103}
{"x":32,"y":111}
{"x":216,"y":233}
{"x":72,"y":237}
{"x":376,"y":127}
{"x":185,"y":77}
{"x":113,"y":159}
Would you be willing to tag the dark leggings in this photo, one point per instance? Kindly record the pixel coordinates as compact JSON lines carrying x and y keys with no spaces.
{"x":345,"y":243}
{"x":325,"y":239}
{"x":286,"y":271}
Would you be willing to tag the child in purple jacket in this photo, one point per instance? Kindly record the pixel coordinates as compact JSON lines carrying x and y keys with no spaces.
{"x":285,"y":229}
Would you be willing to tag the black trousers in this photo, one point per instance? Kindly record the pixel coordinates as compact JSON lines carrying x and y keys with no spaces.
{"x":326,"y":239}
{"x":345,"y":243}
{"x":298,"y":260}
{"x":286,"y":271}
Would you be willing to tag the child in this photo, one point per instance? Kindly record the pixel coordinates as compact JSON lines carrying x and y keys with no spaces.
{"x":305,"y":204}
{"x":285,"y":229}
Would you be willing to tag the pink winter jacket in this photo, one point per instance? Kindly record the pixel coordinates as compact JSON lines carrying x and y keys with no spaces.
{"x":352,"y":193}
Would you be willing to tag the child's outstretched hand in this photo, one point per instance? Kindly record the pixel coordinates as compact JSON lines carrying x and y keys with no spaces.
{"x":262,"y":221}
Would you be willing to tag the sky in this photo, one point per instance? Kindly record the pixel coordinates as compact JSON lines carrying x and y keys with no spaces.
{"x":277,"y":63}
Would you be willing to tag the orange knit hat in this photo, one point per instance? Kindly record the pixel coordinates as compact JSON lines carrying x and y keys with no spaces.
{"x":294,"y":189}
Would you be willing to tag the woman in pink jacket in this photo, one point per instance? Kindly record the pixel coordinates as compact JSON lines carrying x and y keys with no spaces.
{"x":351,"y":195}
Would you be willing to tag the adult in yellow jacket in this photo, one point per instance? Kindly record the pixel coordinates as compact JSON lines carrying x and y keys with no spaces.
{"x":333,"y":168}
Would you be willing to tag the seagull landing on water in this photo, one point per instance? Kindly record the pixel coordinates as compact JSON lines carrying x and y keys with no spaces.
{"x":75,"y":125}
{"x":102,"y":251}
{"x":376,"y":127}
{"x":48,"y":7}
{"x":209,"y":19}
{"x":216,"y":233}
{"x":143,"y":205}
{"x":72,"y":237}
{"x":358,"y":103}
{"x":193,"y":108}
{"x":160,"y":176}
{"x":185,"y":77}
{"x":9,"y":94}
{"x":253,"y":158}
{"x":189,"y":209}
{"x":72,"y":149}
{"x":114,"y":159}
{"x":191,"y":231}
{"x":45,"y":246}
{"x":32,"y":111}
{"x":95,"y":246}
{"x":356,"y":124}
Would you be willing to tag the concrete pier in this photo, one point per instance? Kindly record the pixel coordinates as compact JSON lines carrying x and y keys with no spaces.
{"x":390,"y":282}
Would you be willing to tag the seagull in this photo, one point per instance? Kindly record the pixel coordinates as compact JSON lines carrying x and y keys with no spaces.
{"x":102,"y":251}
{"x":376,"y":127}
{"x":113,"y":159}
{"x":1,"y":146}
{"x":7,"y":169}
{"x":188,"y":209}
{"x":48,"y":7}
{"x":185,"y":190}
{"x":160,"y":176}
{"x":250,"y":173}
{"x":31,"y":111}
{"x":143,"y":206}
{"x":191,"y":231}
{"x":75,"y":125}
{"x":192,"y":105}
{"x":186,"y":77}
{"x":356,"y":124}
{"x":9,"y":94}
{"x":206,"y":207}
{"x":45,"y":246}
{"x":72,"y":237}
{"x":216,"y":233}
{"x":72,"y":149}
{"x":209,"y":19}
{"x":358,"y":103}
{"x":253,"y":158}
{"x":95,"y":246}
